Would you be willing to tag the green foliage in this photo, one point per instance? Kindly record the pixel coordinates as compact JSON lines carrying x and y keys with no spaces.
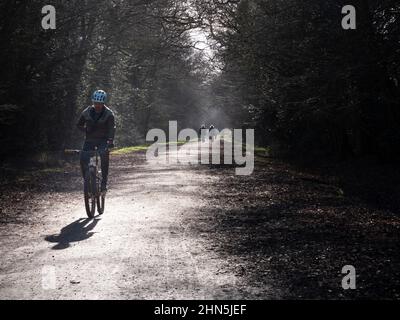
{"x":134,"y":50}
{"x":288,"y":70}
{"x":307,"y":85}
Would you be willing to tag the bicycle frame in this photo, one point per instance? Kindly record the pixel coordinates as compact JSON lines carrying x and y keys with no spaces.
{"x":94,"y":156}
{"x":92,"y":191}
{"x":93,"y":166}
{"x":94,"y":159}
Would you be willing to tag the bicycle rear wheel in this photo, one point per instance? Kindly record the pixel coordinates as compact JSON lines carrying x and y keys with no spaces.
{"x":90,"y":193}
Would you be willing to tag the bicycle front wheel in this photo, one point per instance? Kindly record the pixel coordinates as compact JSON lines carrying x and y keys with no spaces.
{"x":90,"y":193}
{"x":100,"y":204}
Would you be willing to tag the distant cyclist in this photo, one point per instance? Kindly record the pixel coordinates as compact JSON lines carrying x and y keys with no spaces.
{"x":98,"y":123}
{"x":203,"y":132}
{"x":212,"y":131}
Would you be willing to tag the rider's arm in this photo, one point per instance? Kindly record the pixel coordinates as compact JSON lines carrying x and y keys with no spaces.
{"x":111,"y":127}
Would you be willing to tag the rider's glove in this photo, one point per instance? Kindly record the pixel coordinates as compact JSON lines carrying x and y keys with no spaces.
{"x":110,"y":143}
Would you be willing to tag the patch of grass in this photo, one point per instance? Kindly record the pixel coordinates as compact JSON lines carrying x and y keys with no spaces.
{"x":144,"y":147}
{"x":51,"y":170}
{"x":258,"y":151}
{"x":179,"y":143}
{"x":127,"y":150}
{"x":261,"y":151}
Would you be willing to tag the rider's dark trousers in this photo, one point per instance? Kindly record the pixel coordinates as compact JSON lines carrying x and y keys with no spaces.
{"x":104,"y":155}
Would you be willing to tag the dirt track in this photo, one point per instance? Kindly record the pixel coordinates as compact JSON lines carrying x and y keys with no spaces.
{"x":195,"y":232}
{"x":140,"y":248}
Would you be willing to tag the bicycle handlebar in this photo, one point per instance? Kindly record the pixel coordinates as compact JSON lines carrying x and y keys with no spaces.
{"x":75,"y":152}
{"x":67,"y":151}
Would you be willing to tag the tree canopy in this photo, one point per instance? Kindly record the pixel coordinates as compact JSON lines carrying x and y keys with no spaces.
{"x":286,"y":68}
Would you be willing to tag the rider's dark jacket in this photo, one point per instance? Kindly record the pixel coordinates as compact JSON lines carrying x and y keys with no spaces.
{"x":97,"y":126}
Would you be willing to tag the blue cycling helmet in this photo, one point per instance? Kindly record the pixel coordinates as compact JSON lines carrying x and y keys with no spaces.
{"x":99,"y":96}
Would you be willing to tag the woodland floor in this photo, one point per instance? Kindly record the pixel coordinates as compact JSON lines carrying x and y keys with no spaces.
{"x":198,"y":232}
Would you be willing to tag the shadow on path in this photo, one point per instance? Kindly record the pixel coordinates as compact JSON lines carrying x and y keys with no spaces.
{"x":79,"y":230}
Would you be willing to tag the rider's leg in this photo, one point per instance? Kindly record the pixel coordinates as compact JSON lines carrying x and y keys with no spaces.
{"x":85,"y":157}
{"x":105,"y":163}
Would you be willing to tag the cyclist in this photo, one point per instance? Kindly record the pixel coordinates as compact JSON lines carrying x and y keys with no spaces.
{"x":98,"y":123}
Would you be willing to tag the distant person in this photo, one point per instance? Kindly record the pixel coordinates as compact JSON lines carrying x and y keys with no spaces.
{"x":98,"y":123}
{"x":213,"y":134}
{"x":203,"y":132}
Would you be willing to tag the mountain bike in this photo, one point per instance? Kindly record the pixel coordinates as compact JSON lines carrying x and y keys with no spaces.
{"x":92,"y":183}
